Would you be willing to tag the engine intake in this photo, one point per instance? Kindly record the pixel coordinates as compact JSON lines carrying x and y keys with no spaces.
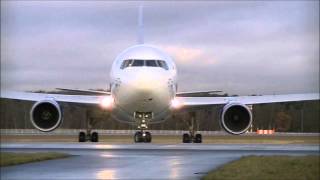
{"x":46,"y":115}
{"x":236,"y":118}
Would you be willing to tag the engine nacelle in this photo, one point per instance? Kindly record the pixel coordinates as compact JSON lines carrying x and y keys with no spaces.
{"x":46,"y":115}
{"x":236,"y":118}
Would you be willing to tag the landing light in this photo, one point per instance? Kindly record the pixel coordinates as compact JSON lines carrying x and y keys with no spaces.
{"x":175,"y":104}
{"x":107,"y":102}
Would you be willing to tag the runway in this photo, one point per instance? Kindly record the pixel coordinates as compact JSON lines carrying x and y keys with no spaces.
{"x":137,"y":161}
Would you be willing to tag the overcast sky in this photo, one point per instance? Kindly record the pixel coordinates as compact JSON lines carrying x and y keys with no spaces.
{"x":246,"y":47}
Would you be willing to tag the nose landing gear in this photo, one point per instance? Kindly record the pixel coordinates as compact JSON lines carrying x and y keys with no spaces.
{"x":141,"y":136}
{"x":142,"y":121}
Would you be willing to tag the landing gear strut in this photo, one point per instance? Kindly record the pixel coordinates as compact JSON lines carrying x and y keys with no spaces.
{"x":142,"y":121}
{"x":88,"y":136}
{"x":192,"y":136}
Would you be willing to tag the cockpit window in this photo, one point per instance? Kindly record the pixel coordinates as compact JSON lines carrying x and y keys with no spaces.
{"x":137,"y":63}
{"x":163,"y":64}
{"x":149,"y":63}
{"x":126,"y":63}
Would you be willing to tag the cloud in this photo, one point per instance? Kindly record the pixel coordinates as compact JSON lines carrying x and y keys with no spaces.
{"x":239,"y":47}
{"x":187,"y":55}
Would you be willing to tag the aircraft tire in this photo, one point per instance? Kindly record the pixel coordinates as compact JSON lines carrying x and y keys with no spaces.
{"x":148,"y":137}
{"x":82,"y":137}
{"x":198,"y":138}
{"x":138,"y":137}
{"x":94,"y":137}
{"x":186,"y":138}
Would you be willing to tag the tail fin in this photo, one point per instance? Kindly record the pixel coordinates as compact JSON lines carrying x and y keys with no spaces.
{"x":140,"y":39}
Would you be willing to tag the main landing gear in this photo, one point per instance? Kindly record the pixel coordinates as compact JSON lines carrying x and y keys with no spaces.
{"x":192,"y":136}
{"x":93,"y":137}
{"x":142,"y":120}
{"x":88,"y":135}
{"x":188,"y":138}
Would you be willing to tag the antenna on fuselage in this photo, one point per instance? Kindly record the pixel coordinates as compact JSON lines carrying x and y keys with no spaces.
{"x":140,"y":39}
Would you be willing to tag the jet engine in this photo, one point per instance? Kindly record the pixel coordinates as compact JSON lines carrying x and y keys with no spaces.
{"x":236,"y":118}
{"x":46,"y":115}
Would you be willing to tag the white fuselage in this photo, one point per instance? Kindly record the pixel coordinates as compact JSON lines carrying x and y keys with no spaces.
{"x":147,"y":85}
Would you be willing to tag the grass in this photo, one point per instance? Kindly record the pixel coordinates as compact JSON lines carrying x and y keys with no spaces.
{"x":262,"y":139}
{"x":10,"y":158}
{"x":169,"y":139}
{"x":269,"y":167}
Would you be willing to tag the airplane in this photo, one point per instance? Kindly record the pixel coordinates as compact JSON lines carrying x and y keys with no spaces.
{"x":144,"y":90}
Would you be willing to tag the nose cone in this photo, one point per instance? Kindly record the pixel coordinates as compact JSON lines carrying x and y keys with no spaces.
{"x":144,"y":89}
{"x":146,"y":79}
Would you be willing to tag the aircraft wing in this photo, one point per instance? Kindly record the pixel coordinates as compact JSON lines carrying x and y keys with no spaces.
{"x":249,"y":100}
{"x":90,"y":92}
{"x":29,"y":96}
{"x":197,"y":93}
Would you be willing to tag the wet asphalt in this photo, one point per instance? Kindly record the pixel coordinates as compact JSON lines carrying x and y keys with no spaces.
{"x":137,"y":161}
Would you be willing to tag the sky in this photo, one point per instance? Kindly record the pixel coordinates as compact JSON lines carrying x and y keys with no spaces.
{"x":239,"y":47}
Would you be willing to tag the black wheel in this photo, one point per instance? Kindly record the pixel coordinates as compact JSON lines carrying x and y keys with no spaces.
{"x":186,"y":138}
{"x":148,"y":137}
{"x":198,"y":138}
{"x":138,"y":137}
{"x":82,"y":137}
{"x":94,"y":137}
